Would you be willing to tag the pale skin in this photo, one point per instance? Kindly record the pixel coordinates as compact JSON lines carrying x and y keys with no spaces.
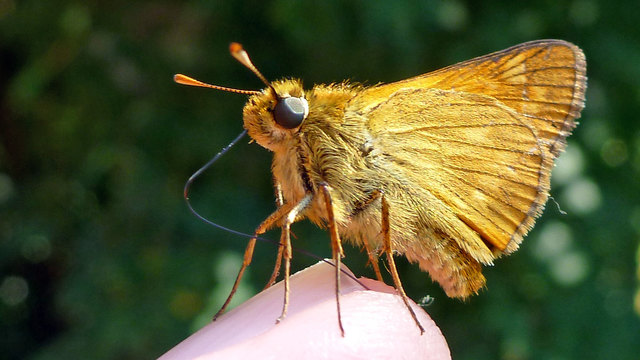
{"x":375,"y":322}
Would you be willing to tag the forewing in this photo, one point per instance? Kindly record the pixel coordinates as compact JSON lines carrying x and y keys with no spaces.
{"x":544,"y":81}
{"x":487,"y":144}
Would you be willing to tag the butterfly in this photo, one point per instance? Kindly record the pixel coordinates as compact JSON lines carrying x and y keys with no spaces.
{"x":450,"y":168}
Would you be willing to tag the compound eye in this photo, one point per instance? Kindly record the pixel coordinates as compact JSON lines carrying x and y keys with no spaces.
{"x":291,"y":111}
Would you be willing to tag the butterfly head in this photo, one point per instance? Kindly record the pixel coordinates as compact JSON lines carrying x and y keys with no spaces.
{"x":271,"y":116}
{"x":276,"y":114}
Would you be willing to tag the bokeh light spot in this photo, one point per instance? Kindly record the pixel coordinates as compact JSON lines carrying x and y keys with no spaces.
{"x":614,"y":152}
{"x":584,"y":12}
{"x":36,"y":248}
{"x":582,"y":196}
{"x":554,"y":239}
{"x":569,"y":165}
{"x":570,"y":268}
{"x":6,"y":188}
{"x":14,"y":290}
{"x":452,"y":15}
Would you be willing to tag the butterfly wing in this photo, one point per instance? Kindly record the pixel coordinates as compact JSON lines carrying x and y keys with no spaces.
{"x":544,"y":80}
{"x":482,"y":135}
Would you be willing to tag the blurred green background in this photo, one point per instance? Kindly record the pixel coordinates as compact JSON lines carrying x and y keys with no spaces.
{"x":100,"y":258}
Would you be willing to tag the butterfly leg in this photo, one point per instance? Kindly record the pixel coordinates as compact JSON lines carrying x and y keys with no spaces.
{"x":267,"y":224}
{"x":373,"y":259}
{"x":278,"y":264}
{"x":386,"y":234}
{"x":371,"y":253}
{"x":336,"y":246}
{"x":285,"y":239}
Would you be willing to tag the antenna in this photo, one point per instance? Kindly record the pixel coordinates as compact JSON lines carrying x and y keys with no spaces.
{"x":242,"y":56}
{"x":186,"y":80}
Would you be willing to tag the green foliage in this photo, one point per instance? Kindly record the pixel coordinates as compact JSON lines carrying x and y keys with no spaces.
{"x":99,"y":257}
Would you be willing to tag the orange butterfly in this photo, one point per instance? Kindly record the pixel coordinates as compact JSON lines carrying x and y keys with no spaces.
{"x":449,"y":168}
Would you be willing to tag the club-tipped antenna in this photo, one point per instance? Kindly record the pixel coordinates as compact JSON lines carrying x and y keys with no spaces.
{"x":242,"y":56}
{"x":186,"y":80}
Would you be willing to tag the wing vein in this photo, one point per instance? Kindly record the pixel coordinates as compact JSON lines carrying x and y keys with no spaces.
{"x":438,"y":138}
{"x":531,"y":71}
{"x":528,"y":57}
{"x":454,"y":127}
{"x":488,"y":194}
{"x":531,"y":101}
{"x":498,"y":176}
{"x":488,"y":218}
